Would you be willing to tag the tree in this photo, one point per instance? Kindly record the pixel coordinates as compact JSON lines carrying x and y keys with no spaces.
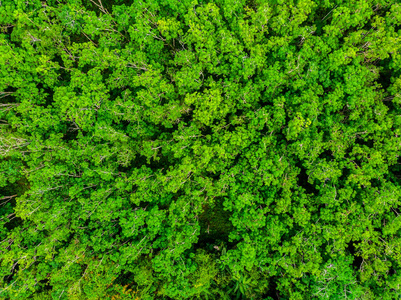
{"x":200,"y":149}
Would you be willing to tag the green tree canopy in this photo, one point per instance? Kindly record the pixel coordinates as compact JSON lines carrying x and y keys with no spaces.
{"x":177,"y":149}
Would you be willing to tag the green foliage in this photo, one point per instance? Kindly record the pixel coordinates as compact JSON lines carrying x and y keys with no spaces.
{"x":198,"y":149}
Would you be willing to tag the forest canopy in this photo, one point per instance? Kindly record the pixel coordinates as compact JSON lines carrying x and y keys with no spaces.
{"x":194,"y":149}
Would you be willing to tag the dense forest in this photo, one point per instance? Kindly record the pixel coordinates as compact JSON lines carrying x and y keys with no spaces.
{"x":196,"y":149}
